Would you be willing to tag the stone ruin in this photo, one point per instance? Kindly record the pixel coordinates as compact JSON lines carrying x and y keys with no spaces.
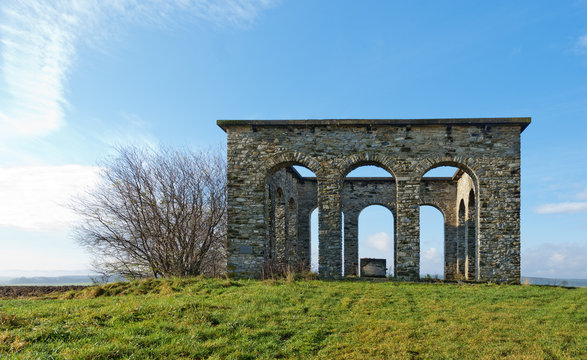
{"x":269,"y":202}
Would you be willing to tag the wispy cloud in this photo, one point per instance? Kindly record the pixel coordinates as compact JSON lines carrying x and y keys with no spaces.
{"x":34,"y":197}
{"x":39,"y":40}
{"x":581,"y":43}
{"x":380,"y":241}
{"x":564,"y":260}
{"x":131,"y":129}
{"x":562,"y":208}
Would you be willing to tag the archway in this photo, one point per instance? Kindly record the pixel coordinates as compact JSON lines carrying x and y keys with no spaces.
{"x":461,"y":234}
{"x":432,"y":242}
{"x":440,"y":187}
{"x":290,"y":198}
{"x":376,"y":230}
{"x":368,"y":183}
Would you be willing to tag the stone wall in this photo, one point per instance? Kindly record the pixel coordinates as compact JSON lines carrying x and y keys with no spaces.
{"x":484,"y":245}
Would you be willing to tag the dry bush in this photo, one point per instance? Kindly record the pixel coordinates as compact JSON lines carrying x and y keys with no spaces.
{"x":157,"y":213}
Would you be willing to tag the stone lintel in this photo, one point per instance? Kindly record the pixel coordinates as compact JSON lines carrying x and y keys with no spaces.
{"x":523,"y":122}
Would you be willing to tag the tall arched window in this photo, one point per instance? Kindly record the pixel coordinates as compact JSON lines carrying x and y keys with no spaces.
{"x":438,"y":227}
{"x":376,"y":236}
{"x":291,"y":194}
{"x":368,"y":202}
{"x":432,"y":242}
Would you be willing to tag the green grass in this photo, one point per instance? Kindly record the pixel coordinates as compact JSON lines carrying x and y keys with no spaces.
{"x":239,"y":319}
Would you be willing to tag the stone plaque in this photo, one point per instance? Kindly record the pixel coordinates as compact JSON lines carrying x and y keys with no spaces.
{"x":373,"y":267}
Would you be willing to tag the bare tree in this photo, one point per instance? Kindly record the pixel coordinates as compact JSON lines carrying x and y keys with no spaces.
{"x":157,"y":213}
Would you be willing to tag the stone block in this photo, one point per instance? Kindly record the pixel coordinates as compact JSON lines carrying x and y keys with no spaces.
{"x":373,"y":267}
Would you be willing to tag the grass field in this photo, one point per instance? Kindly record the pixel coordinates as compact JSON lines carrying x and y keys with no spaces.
{"x":212,"y":318}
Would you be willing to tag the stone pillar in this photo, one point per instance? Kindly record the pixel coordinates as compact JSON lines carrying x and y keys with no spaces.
{"x":304,"y":240}
{"x":280,"y":233}
{"x":329,"y":228}
{"x":246,"y":222}
{"x":351,"y":243}
{"x":450,"y":244}
{"x":292,"y":235}
{"x":461,"y":237}
{"x":470,"y":244}
{"x":407,"y":251}
{"x":499,"y":223}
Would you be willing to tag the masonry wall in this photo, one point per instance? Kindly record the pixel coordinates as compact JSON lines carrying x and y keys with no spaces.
{"x":488,"y":154}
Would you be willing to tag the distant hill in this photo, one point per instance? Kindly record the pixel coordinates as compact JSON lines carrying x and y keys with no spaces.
{"x":555,"y":282}
{"x":50,"y":280}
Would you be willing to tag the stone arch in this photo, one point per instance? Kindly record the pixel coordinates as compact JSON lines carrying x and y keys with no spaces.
{"x":435,"y":205}
{"x":354,"y":161}
{"x":365,"y":205}
{"x":287,"y":159}
{"x":468,"y":165}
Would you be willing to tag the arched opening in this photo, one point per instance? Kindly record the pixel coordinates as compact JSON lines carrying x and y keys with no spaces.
{"x":471,"y":257}
{"x":375,"y":237}
{"x":366,"y":184}
{"x":432,"y":243}
{"x":369,"y":171}
{"x":441,"y":172}
{"x":446,"y":186}
{"x":458,"y":194}
{"x":314,"y":241}
{"x":291,"y":195}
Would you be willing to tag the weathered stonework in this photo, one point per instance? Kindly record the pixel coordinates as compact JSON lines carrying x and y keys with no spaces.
{"x":269,"y":203}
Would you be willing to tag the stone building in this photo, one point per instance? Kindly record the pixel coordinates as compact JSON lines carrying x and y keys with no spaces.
{"x":269,"y":202}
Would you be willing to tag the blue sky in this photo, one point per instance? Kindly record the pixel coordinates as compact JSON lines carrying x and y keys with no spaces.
{"x":78,"y":77}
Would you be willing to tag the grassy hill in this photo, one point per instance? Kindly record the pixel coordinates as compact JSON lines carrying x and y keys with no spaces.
{"x":211,"y":318}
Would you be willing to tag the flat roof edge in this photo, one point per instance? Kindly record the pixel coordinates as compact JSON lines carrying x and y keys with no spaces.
{"x":521,"y":121}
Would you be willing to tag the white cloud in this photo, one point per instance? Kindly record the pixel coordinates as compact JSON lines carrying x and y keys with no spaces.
{"x":431,"y":254}
{"x":39,"y":39}
{"x":35,"y":197}
{"x":562,"y":208}
{"x":582,"y":42}
{"x":431,"y":261}
{"x":565,"y":260}
{"x":380,"y":241}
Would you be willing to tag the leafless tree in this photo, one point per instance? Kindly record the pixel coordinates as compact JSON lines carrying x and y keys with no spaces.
{"x":157,"y":213}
